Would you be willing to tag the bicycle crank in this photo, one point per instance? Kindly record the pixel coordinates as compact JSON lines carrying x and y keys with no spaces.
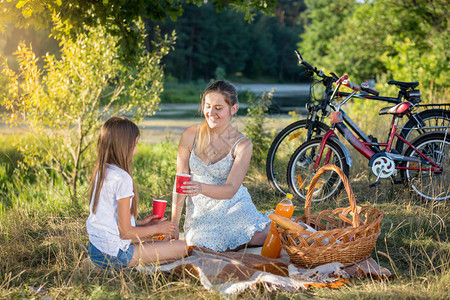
{"x":383,"y":167}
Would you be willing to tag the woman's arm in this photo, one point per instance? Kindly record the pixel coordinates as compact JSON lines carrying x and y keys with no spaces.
{"x":243,"y":155}
{"x":127,"y":231}
{"x":183,"y":154}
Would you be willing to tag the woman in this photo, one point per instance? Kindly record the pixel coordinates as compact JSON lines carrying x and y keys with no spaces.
{"x":220,"y":214}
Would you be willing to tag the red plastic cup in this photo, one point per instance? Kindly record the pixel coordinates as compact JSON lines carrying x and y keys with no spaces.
{"x":181,"y":179}
{"x":159,"y":206}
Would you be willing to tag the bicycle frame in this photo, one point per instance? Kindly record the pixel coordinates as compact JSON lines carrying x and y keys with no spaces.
{"x":368,"y":148}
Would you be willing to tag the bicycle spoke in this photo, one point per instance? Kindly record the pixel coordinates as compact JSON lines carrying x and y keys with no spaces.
{"x":424,"y":181}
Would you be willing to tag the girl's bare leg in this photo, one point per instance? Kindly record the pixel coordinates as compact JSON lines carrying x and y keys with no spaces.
{"x":158,"y":252}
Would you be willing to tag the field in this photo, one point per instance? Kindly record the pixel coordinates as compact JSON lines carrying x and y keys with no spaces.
{"x":43,"y":236}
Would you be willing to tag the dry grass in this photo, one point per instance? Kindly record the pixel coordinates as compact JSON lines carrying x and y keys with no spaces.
{"x":46,"y":248}
{"x":43,"y":242}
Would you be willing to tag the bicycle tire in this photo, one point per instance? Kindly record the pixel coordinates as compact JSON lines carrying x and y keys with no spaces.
{"x":278,"y":156}
{"x":300,"y":173}
{"x":428,"y":185}
{"x":429,"y":118}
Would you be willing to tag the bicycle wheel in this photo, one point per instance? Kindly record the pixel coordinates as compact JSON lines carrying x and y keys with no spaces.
{"x":282,"y":148}
{"x":428,"y":184}
{"x":300,"y":172}
{"x":427,"y":121}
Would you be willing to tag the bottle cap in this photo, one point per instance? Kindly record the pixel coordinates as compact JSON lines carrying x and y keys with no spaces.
{"x":289,"y":196}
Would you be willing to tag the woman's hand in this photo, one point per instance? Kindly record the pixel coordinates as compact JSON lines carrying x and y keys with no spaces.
{"x":165,"y":227}
{"x":175,"y":235}
{"x":192,"y":188}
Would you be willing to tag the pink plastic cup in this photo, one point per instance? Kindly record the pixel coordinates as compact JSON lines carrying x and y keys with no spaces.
{"x":181,"y":179}
{"x":159,"y":206}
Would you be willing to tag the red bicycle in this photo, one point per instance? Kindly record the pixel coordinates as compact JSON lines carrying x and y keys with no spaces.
{"x":424,"y":165}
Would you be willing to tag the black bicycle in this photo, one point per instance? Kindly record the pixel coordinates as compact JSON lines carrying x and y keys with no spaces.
{"x":421,"y":119}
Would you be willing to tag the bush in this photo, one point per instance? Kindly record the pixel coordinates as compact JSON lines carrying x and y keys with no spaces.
{"x":66,"y":101}
{"x":254,"y":127}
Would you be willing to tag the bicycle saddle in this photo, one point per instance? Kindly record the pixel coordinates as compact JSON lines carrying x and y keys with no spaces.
{"x":402,"y":84}
{"x":399,"y":109}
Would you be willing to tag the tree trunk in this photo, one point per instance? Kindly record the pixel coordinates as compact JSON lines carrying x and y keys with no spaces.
{"x":76,"y":167}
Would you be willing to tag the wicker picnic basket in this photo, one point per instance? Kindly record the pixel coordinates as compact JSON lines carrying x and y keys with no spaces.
{"x":344,"y":235}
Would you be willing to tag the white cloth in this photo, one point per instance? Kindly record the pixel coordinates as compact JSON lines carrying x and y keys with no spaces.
{"x":102,"y":226}
{"x":232,"y":273}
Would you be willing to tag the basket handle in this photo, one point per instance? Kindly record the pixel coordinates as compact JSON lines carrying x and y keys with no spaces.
{"x":348,"y":188}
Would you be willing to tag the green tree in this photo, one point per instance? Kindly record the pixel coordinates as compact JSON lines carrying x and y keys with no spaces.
{"x":207,"y":40}
{"x":40,"y":39}
{"x":385,"y":39}
{"x":65,"y":103}
{"x":117,"y":16}
{"x":326,"y":20}
{"x":417,"y":44}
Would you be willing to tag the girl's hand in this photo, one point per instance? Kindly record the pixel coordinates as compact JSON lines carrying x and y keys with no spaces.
{"x":156,"y":221}
{"x":165,"y":227}
{"x":150,"y":220}
{"x":192,"y":188}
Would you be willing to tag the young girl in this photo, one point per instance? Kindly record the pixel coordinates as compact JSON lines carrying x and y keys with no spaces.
{"x":116,"y":238}
{"x":220,"y":214}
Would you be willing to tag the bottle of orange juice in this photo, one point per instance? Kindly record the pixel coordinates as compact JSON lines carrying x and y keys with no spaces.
{"x":272,"y":245}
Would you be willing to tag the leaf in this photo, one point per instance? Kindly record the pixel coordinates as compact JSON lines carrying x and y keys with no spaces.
{"x":21,"y":4}
{"x":27,"y":12}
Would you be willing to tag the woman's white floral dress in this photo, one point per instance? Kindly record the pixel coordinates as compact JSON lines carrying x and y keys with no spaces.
{"x":220,"y":224}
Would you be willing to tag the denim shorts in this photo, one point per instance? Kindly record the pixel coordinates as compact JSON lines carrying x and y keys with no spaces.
{"x":103,"y":260}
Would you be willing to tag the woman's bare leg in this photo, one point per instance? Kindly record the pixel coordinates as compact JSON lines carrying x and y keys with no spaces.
{"x":158,"y":252}
{"x":259,"y":237}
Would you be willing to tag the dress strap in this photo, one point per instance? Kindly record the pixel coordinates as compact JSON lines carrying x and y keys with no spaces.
{"x":195,"y":140}
{"x":234,"y":146}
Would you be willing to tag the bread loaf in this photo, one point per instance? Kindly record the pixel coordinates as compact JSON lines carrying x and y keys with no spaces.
{"x":285,"y":223}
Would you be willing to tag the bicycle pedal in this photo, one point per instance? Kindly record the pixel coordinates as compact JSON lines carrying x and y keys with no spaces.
{"x":374,"y":184}
{"x":397,"y":180}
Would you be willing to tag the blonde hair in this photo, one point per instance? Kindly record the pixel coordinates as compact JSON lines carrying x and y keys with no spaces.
{"x":231,"y":98}
{"x":115,"y":145}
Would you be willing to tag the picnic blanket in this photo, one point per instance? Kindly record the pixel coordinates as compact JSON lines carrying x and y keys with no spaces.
{"x":233,"y":272}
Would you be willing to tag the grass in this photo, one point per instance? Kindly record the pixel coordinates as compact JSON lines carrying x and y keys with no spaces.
{"x":43,"y":238}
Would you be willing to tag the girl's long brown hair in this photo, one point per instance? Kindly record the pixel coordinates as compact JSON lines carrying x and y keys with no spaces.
{"x":231,"y":98}
{"x":118,"y":137}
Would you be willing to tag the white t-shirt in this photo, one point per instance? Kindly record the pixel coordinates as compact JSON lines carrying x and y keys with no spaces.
{"x":102,"y":226}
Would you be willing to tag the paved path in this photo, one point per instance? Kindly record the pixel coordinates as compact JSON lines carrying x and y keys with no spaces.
{"x":280,"y":89}
{"x":189,"y":110}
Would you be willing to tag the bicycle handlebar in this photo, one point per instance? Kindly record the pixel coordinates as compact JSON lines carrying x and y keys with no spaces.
{"x":343,"y":80}
{"x":301,"y":61}
{"x":351,"y":85}
{"x":365,"y":88}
